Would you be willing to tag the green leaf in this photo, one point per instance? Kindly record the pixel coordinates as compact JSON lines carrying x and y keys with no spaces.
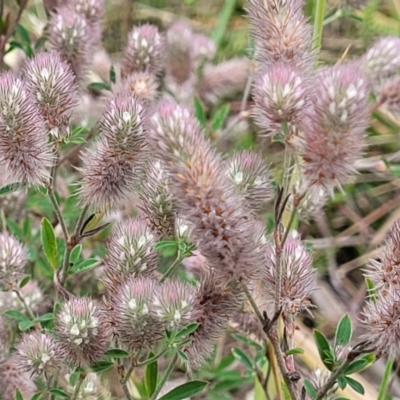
{"x":99,"y":86}
{"x":74,"y":377}
{"x":199,"y":111}
{"x":241,"y":356}
{"x":341,"y":398}
{"x":18,"y":395}
{"x":342,"y":382}
{"x":36,"y":396}
{"x":166,"y":243}
{"x":117,"y":353}
{"x":23,"y":34}
{"x":24,"y":281}
{"x":112,"y":74}
{"x":40,"y":43}
{"x":355,"y":385}
{"x":223,"y":20}
{"x":84,"y":265}
{"x":77,"y":140}
{"x":12,"y":187}
{"x":75,"y":253}
{"x":370,"y":289}
{"x":219,"y":117}
{"x":184,"y":391}
{"x":187,"y":330}
{"x":49,"y":243}
{"x":310,"y":390}
{"x":343,"y":331}
{"x":25,"y":325}
{"x":14,"y":314}
{"x":183,"y":356}
{"x":151,"y":376}
{"x":58,"y":392}
{"x":295,"y":350}
{"x":45,"y":317}
{"x":324,"y":349}
{"x":356,"y":366}
{"x":102,"y":366}
{"x":246,"y":340}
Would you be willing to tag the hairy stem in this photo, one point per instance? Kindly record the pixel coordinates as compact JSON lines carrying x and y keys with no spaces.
{"x":152,"y":359}
{"x":274,"y":339}
{"x":57,"y":210}
{"x":165,"y":377}
{"x":126,"y":390}
{"x":318,"y":24}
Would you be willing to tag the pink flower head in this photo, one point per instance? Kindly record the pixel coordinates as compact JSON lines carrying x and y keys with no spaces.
{"x":82,"y":331}
{"x":157,"y":199}
{"x":25,"y":154}
{"x":281,"y":32}
{"x":69,"y":35}
{"x":39,"y":353}
{"x":281,"y":96}
{"x":143,"y":52}
{"x":52,"y":84}
{"x":13,"y":259}
{"x":334,"y":138}
{"x":130,"y":252}
{"x":298,"y":276}
{"x":249,"y":173}
{"x":134,"y":317}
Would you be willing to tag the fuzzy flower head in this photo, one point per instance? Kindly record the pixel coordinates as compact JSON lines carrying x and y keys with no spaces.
{"x":12,"y":378}
{"x":280,"y":95}
{"x":250,"y":175}
{"x":382,"y":321}
{"x":143,"y":84}
{"x":385,"y":273}
{"x":91,"y":10}
{"x":134,"y":316}
{"x":25,"y":154}
{"x":143,"y":51}
{"x":173,"y":303}
{"x":298,"y":276}
{"x":130,"y":252}
{"x":382,"y":59}
{"x":157,"y":199}
{"x":111,"y":164}
{"x":281,"y":32}
{"x":53,"y":86}
{"x":222,"y":229}
{"x":335,"y":136}
{"x":214,"y":307}
{"x":39,"y":353}
{"x":82,"y":331}
{"x":204,"y":49}
{"x":13,"y":259}
{"x":69,"y":35}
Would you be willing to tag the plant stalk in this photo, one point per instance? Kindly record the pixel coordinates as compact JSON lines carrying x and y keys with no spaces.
{"x":332,"y":380}
{"x":318,"y":24}
{"x":165,"y":377}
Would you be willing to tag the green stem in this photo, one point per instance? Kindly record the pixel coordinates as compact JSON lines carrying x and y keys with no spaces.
{"x":27,"y":308}
{"x":385,"y":380}
{"x":65,"y":266}
{"x":58,"y":213}
{"x":80,"y":221}
{"x":318,"y":24}
{"x":78,"y":388}
{"x":332,"y":380}
{"x":165,"y":377}
{"x":171,"y":269}
{"x":126,"y":390}
{"x":152,"y":359}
